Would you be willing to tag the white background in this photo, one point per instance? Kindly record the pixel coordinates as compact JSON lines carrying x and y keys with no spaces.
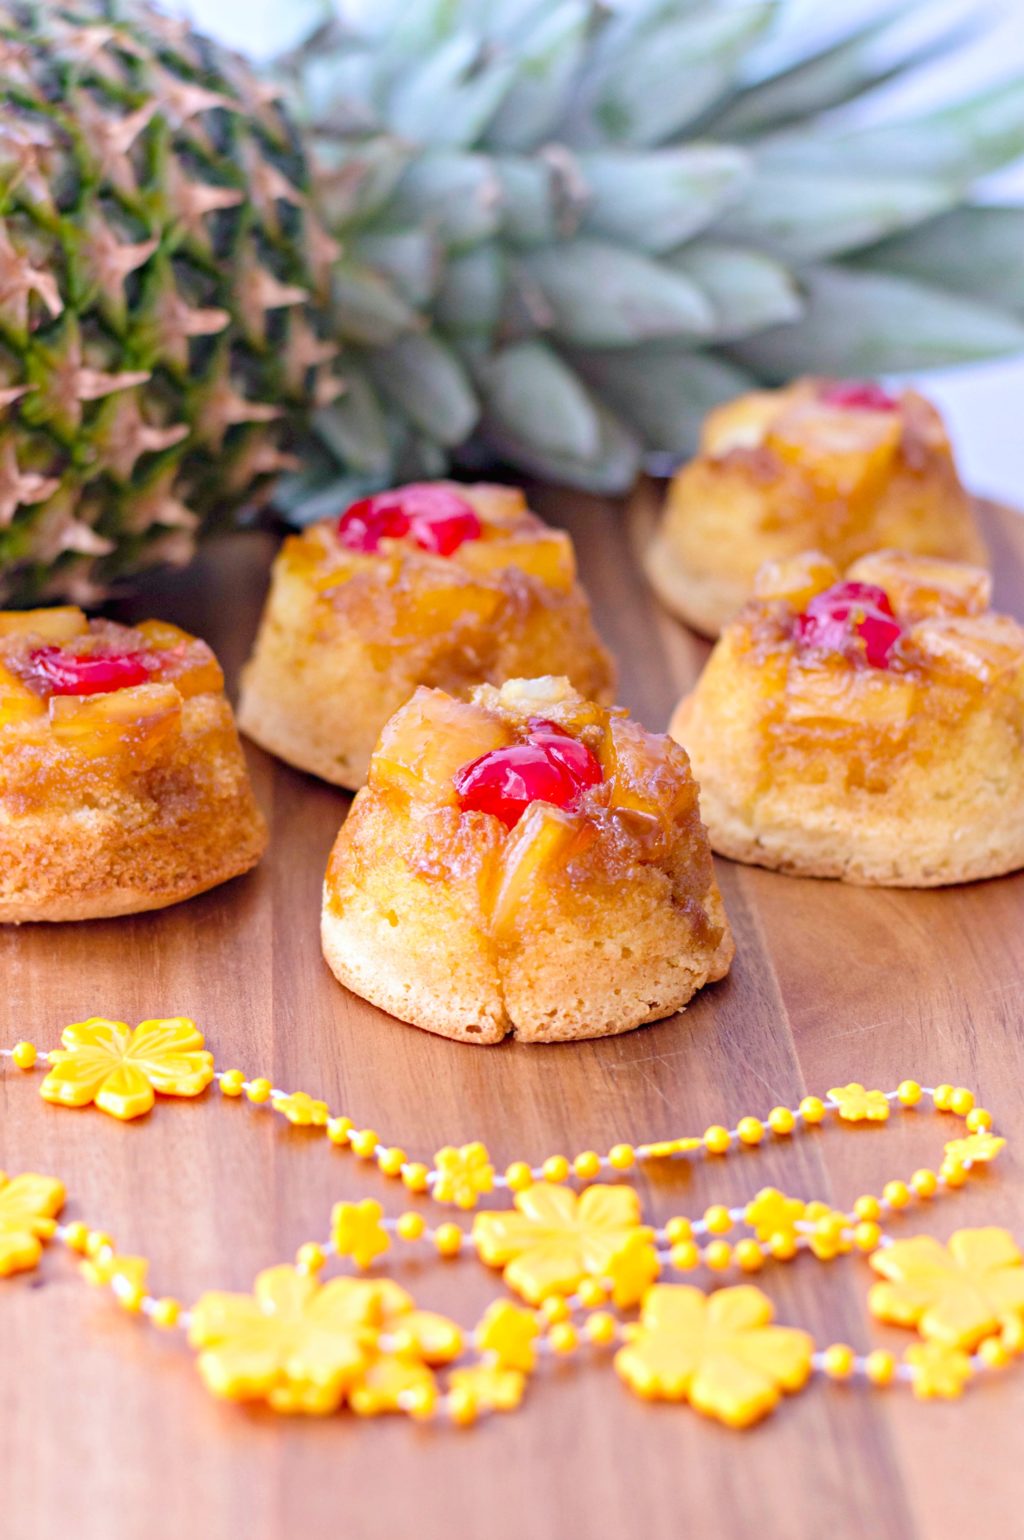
{"x":984,"y":403}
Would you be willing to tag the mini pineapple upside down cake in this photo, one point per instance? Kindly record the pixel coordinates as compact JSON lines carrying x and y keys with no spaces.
{"x":524,"y":862}
{"x":870,"y":729}
{"x":433,"y":583}
{"x":122,"y":781}
{"x":841,"y":467}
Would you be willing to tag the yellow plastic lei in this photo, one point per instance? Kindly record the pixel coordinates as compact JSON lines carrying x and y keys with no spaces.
{"x":577,"y":1259}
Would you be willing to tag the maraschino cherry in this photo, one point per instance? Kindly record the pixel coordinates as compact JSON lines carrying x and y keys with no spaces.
{"x":549,"y":766}
{"x":859,"y":396}
{"x":96,"y":673}
{"x":835,"y":619}
{"x":434,"y":517}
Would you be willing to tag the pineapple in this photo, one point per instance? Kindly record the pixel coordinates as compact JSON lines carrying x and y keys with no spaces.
{"x":571,"y":228}
{"x":160,"y":272}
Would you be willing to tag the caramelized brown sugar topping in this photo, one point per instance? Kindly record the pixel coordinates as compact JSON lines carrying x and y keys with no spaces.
{"x":633,"y":804}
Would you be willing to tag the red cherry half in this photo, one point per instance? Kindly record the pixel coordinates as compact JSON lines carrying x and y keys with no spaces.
{"x":551,"y":766}
{"x":859,"y":396}
{"x":64,"y":673}
{"x":846,"y":611}
{"x":435,"y":518}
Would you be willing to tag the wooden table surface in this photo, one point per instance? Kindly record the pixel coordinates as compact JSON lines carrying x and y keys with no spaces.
{"x":107,"y":1432}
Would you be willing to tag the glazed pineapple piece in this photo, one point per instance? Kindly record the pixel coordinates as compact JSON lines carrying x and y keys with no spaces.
{"x":867,"y":728}
{"x":431,"y":584}
{"x":525,"y":862}
{"x":844,"y":468}
{"x":122,"y":781}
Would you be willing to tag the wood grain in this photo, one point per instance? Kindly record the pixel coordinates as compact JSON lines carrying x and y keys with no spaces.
{"x":104,"y":1427}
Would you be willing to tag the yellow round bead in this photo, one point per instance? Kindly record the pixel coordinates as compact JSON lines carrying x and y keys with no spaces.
{"x":718,"y":1256}
{"x":678,"y":1229}
{"x":564,"y":1338}
{"x":587,"y":1165}
{"x":896,"y":1194}
{"x":364,"y":1143}
{"x":994,"y":1353}
{"x":166,"y":1313}
{"x":749,"y":1255}
{"x":621,"y":1157}
{"x":979,"y":1120}
{"x":463,"y":1407}
{"x":908,"y":1093}
{"x":962,"y":1101}
{"x":1013,"y":1333}
{"x":391,"y":1161}
{"x":943,"y":1097}
{"x":925,"y":1183}
{"x":555,"y":1168}
{"x":592,"y":1294}
{"x":232,"y":1082}
{"x":880,"y":1366}
{"x":409,"y":1227}
{"x":685,"y":1257}
{"x":555,"y":1309}
{"x":415,"y":1176}
{"x":420,"y":1404}
{"x":258,"y":1090}
{"x":24,"y":1055}
{"x":310,"y":1258}
{"x":76,"y":1235}
{"x":812,"y":1109}
{"x":338,"y":1129}
{"x":953,"y":1173}
{"x":717,"y":1139}
{"x":750,"y":1130}
{"x":837,"y":1361}
{"x":781,"y":1120}
{"x":448,"y":1240}
{"x":601,"y":1328}
{"x":97,"y":1241}
{"x":783,"y":1245}
{"x":130,"y":1296}
{"x":867,"y":1207}
{"x":866,"y":1235}
{"x":519,"y":1176}
{"x":718,"y":1219}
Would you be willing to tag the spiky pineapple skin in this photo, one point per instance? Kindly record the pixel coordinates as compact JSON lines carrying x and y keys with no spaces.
{"x":161,"y":280}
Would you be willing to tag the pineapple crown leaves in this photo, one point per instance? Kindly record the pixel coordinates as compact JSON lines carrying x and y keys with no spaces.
{"x":586,"y":224}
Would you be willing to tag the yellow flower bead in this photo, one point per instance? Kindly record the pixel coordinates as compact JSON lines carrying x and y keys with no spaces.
{"x":837,"y":1361}
{"x":76,"y":1236}
{"x":962,"y":1101}
{"x":717,"y":1139}
{"x":166,"y":1313}
{"x":908,"y":1093}
{"x":364,"y":1143}
{"x":591,"y":1294}
{"x":409,"y":1227}
{"x":97,"y":1241}
{"x":448,"y":1240}
{"x":880,"y":1366}
{"x":519,"y":1176}
{"x":338,"y":1130}
{"x":896,"y":1194}
{"x":564,"y":1338}
{"x":718,"y":1256}
{"x":462,"y":1406}
{"x":781,"y":1120}
{"x":685,"y":1257}
{"x":749,"y":1255}
{"x":258,"y":1090}
{"x":943,"y":1097}
{"x":587,"y":1165}
{"x":866,"y":1235}
{"x":678,"y":1229}
{"x":994,"y":1353}
{"x":24,"y":1055}
{"x":867,"y":1207}
{"x":953,"y":1173}
{"x":414,"y":1176}
{"x":925,"y":1183}
{"x":750,"y":1130}
{"x":391,"y":1161}
{"x":979,"y":1120}
{"x":555,"y":1168}
{"x":718,"y":1219}
{"x":310,"y":1258}
{"x":601,"y":1328}
{"x":555,"y":1309}
{"x":621,"y":1157}
{"x":812,"y":1109}
{"x":232,"y":1082}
